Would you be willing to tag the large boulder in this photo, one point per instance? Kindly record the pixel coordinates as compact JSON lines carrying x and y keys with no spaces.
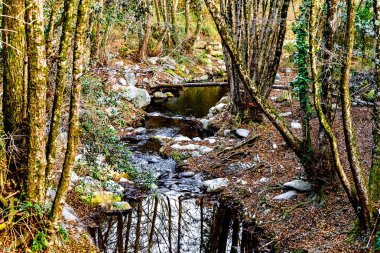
{"x":139,"y":97}
{"x":216,"y":185}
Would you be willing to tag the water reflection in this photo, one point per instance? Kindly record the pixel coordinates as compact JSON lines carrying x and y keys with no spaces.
{"x":192,"y":101}
{"x":174,"y":224}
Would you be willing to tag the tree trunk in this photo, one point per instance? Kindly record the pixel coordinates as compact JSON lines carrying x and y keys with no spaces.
{"x":50,"y":29}
{"x":14,"y":43}
{"x":96,"y":33}
{"x":172,"y":5}
{"x":73,"y":134}
{"x":346,"y":183}
{"x":358,"y":172}
{"x":187,"y":16}
{"x":143,"y":51}
{"x":36,"y":101}
{"x":61,"y":79}
{"x":374,"y":179}
{"x":326,"y":165}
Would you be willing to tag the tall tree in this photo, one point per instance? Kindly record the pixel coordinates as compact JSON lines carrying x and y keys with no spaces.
{"x":374,"y":180}
{"x":96,"y":31}
{"x":143,"y":51}
{"x":73,"y":134}
{"x":36,"y":120}
{"x":14,"y":44}
{"x":354,"y":159}
{"x":60,"y":83}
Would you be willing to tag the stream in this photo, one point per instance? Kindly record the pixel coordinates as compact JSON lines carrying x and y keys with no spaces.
{"x":176,"y":216}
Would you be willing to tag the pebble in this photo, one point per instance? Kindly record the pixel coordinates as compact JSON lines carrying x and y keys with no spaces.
{"x":243,"y":133}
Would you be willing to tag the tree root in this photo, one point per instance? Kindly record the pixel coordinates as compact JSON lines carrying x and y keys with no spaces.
{"x":289,"y":210}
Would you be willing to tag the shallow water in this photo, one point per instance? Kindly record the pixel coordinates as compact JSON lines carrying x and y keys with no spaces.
{"x":173,"y":224}
{"x":176,"y":217}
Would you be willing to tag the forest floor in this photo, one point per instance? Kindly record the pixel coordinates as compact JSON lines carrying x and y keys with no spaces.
{"x":300,"y":223}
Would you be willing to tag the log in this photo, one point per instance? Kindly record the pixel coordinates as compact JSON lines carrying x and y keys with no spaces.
{"x":200,"y":84}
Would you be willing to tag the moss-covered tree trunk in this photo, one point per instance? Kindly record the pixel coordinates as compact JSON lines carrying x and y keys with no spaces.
{"x":96,"y":32}
{"x":354,"y":158}
{"x":36,"y":119}
{"x":73,"y":134}
{"x":172,"y":5}
{"x":346,"y":182}
{"x":51,"y":25}
{"x":143,"y":51}
{"x":327,"y":89}
{"x":13,"y":54}
{"x":374,"y":179}
{"x":60,"y":83}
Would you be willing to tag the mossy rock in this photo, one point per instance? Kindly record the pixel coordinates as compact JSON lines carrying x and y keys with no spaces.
{"x":120,"y":206}
{"x":101,"y":197}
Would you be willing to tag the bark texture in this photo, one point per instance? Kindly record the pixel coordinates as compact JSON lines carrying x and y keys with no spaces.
{"x":37,"y":72}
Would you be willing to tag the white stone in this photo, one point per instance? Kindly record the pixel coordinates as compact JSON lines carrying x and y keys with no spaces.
{"x":119,"y":64}
{"x":130,"y":79}
{"x":140,"y":130}
{"x":205,"y":150}
{"x":274,"y":146}
{"x":298,"y":185}
{"x":205,"y":123}
{"x":242,"y":182}
{"x":74,"y":177}
{"x":295,"y":125}
{"x":243,"y":133}
{"x":181,"y":138}
{"x":227,"y":132}
{"x":197,"y":139}
{"x":152,"y":60}
{"x":211,"y":141}
{"x":286,"y":114}
{"x":112,"y":186}
{"x":219,"y":107}
{"x":204,"y":78}
{"x":216,"y":185}
{"x":122,"y":81}
{"x":176,"y":81}
{"x":167,"y":66}
{"x":286,"y":196}
{"x":68,"y":214}
{"x":186,"y":174}
{"x":139,"y":97}
{"x":264,"y":180}
{"x":125,"y":181}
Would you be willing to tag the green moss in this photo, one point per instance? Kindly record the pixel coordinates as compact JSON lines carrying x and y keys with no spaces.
{"x":370,"y":96}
